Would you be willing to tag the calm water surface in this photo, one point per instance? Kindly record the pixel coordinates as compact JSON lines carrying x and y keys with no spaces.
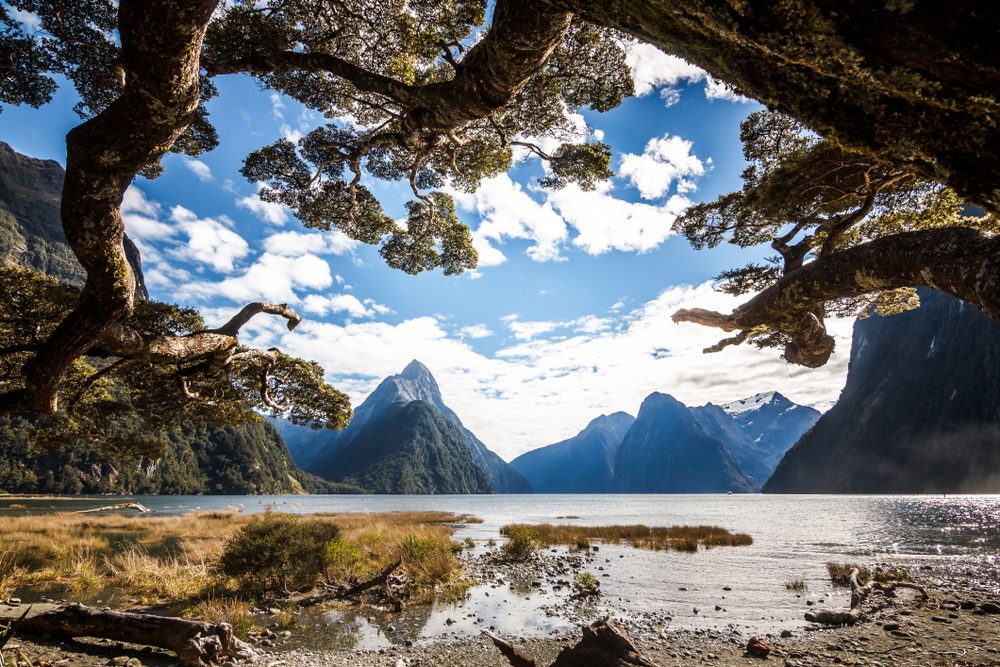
{"x":957,"y":537}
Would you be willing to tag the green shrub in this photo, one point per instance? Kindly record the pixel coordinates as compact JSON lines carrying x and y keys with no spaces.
{"x":278,"y":553}
{"x":522,"y":542}
{"x":343,"y":559}
{"x":586,"y":585}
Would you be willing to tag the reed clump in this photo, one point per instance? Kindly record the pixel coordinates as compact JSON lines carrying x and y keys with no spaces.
{"x":673,"y":538}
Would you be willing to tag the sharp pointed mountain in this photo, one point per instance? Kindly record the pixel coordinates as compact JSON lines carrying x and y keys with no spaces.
{"x":667,"y":450}
{"x":414,"y":383}
{"x":920,"y":412}
{"x":584,"y":463}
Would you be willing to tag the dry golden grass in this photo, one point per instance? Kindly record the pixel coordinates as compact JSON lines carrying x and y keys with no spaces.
{"x":170,"y":558}
{"x":237,"y":613}
{"x":676,"y":538}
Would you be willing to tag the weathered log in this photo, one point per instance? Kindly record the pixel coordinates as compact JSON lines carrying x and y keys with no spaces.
{"x":196,"y":643}
{"x":120,"y":506}
{"x":604,"y":644}
{"x":859,"y":592}
{"x":340,"y":593}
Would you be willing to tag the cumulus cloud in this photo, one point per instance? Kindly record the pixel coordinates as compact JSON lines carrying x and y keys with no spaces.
{"x":546,"y":387}
{"x":664,"y":162}
{"x":199,"y":169}
{"x":506,"y":211}
{"x":338,"y":303}
{"x":295,"y":244}
{"x":653,"y":69}
{"x":604,"y":223}
{"x":270,"y":278}
{"x":476,"y":331}
{"x":270,"y":212}
{"x":142,"y":218}
{"x":210,"y":241}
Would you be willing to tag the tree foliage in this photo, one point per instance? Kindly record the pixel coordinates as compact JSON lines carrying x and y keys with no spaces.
{"x":127,"y":397}
{"x":421,"y":92}
{"x":809,"y":199}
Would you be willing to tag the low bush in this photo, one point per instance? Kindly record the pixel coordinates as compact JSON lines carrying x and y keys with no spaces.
{"x":278,"y":553}
{"x":522,"y":542}
{"x":586,"y":585}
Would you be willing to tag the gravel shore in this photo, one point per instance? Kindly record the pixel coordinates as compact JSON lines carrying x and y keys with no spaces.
{"x":952,"y":629}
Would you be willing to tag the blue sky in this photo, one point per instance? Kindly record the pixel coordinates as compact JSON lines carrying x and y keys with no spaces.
{"x":567,"y":316}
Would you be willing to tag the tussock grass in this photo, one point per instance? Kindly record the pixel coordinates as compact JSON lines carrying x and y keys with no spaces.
{"x":237,"y":613}
{"x":675,"y":538}
{"x":173,"y":558}
{"x":797,"y":585}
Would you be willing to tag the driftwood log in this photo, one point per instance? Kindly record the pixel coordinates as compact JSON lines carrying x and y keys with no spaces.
{"x":859,"y":592}
{"x":604,"y":644}
{"x":196,"y":643}
{"x":113,"y":508}
{"x":339,"y":592}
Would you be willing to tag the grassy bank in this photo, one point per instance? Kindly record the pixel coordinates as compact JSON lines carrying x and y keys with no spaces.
{"x":177,"y":558}
{"x":674,"y":538}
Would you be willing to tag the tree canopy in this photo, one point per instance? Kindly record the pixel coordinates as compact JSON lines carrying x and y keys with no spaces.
{"x":422,"y":92}
{"x":817,"y":204}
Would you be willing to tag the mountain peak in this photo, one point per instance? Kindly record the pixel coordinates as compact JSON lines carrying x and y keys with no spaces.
{"x":415,"y":371}
{"x":754,"y":402}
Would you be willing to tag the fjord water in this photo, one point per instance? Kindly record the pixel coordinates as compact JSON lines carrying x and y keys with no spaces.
{"x":954,"y":537}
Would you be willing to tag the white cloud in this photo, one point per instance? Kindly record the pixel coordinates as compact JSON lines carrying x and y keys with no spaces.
{"x":210,"y":241}
{"x":523,"y":330}
{"x":543,"y":389}
{"x":338,"y":303}
{"x":507,"y":212}
{"x":653,"y":69}
{"x":270,"y":278}
{"x":476,"y":331}
{"x":604,"y":223}
{"x":296,"y":244}
{"x":277,"y":106}
{"x":718,"y":90}
{"x":199,"y":169}
{"x":142,"y":218}
{"x":663,"y":162}
{"x":270,"y":212}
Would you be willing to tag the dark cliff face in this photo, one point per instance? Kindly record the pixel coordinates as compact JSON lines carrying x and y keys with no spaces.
{"x":920,"y":412}
{"x":584,"y":463}
{"x":667,"y":451}
{"x":409,"y":448}
{"x":31,"y":231}
{"x":317,"y":452}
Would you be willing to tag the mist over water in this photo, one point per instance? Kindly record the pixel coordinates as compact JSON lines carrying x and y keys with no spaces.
{"x":955,"y":538}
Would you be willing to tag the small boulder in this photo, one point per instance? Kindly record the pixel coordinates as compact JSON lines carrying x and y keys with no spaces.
{"x":758,"y":648}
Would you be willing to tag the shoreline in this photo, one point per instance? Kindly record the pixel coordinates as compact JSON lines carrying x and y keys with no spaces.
{"x":896,"y":632}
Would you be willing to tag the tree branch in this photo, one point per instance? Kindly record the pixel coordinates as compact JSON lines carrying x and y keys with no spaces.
{"x":249,"y":311}
{"x":960,"y":261}
{"x":362,"y":79}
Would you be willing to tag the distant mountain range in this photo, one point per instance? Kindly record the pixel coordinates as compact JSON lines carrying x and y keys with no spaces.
{"x":671,"y":448}
{"x":920,"y":412}
{"x":419,"y":444}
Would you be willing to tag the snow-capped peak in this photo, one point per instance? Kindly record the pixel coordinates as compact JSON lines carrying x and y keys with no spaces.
{"x":750,"y":404}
